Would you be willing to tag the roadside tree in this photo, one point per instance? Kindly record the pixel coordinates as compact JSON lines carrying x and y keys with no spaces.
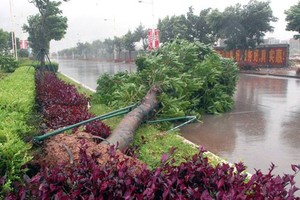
{"x":140,"y":34}
{"x":129,"y":42}
{"x":293,"y":19}
{"x":46,"y":26}
{"x":172,"y":27}
{"x":242,"y":27}
{"x":4,"y":39}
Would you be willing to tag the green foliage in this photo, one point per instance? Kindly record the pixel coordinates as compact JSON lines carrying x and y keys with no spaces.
{"x":293,"y":18}
{"x":4,"y":42}
{"x":243,"y":27}
{"x":25,"y":62}
{"x":193,"y":77}
{"x":140,"y":63}
{"x":8,"y":64}
{"x":190,"y":27}
{"x":46,"y":26}
{"x":153,"y":144}
{"x":17,"y":98}
{"x":23,"y":53}
{"x":140,"y":34}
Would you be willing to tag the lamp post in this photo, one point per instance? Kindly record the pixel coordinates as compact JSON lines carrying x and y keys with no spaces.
{"x":153,"y":32}
{"x":13,"y":36}
{"x":114,"y":46}
{"x":152,"y":7}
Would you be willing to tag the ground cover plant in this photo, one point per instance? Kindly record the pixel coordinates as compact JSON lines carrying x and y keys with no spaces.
{"x":195,"y":179}
{"x":16,"y":108}
{"x":61,"y":105}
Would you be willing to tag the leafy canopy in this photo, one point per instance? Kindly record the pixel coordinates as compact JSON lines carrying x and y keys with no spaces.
{"x":46,"y":26}
{"x":190,"y":27}
{"x":194,"y":79}
{"x":243,"y":27}
{"x":293,"y":19}
{"x":4,"y":42}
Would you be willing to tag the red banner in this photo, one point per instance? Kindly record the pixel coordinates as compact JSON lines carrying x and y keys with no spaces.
{"x":150,"y":39}
{"x":23,"y":44}
{"x":156,"y":39}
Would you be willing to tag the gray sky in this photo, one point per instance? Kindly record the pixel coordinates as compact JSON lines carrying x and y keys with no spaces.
{"x":86,"y":17}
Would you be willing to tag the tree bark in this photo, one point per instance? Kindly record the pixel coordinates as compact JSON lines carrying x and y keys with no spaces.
{"x":123,"y":134}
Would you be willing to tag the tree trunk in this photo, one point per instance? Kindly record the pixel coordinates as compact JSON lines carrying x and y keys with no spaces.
{"x":123,"y":134}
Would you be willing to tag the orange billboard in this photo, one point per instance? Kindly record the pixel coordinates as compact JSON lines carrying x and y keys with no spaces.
{"x":264,"y":55}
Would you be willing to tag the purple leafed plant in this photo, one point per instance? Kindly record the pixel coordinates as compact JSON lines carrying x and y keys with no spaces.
{"x":61,"y":105}
{"x":195,"y":179}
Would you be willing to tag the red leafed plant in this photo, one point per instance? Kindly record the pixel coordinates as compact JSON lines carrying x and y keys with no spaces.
{"x":61,"y":105}
{"x":195,"y":179}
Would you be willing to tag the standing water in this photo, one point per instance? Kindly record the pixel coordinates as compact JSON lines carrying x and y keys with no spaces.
{"x":263,"y":127}
{"x":88,"y":72}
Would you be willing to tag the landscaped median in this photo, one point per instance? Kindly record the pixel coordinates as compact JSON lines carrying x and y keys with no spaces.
{"x":99,"y":171}
{"x":17,"y":100}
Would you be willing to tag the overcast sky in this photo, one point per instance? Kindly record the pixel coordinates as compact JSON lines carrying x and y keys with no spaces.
{"x":86,"y":17}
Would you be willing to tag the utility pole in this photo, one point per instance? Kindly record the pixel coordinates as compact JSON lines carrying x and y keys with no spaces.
{"x":13,"y":36}
{"x":115,"y":35}
{"x":153,"y":33}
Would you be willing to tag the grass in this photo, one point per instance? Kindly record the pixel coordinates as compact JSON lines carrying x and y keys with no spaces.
{"x":2,"y":75}
{"x":25,"y":62}
{"x":80,"y":88}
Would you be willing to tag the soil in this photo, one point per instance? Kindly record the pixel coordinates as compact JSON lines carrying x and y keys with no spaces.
{"x":65,"y":148}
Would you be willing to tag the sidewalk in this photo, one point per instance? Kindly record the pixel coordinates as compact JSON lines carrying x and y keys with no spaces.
{"x":289,"y":72}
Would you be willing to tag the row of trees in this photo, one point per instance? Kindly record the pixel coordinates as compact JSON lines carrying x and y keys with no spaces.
{"x":105,"y":49}
{"x":241,"y":26}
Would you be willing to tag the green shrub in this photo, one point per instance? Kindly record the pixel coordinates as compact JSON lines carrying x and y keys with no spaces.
{"x":25,"y":62}
{"x":8,"y":64}
{"x":17,"y":99}
{"x":53,"y":67}
{"x":140,"y":63}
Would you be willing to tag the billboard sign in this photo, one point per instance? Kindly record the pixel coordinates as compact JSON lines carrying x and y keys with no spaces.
{"x":263,"y":55}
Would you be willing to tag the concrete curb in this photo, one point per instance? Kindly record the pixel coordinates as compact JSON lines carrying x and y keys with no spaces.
{"x":85,"y":86}
{"x":271,"y":74}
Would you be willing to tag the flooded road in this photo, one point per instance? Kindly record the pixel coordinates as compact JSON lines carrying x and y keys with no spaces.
{"x":87,"y":71}
{"x":263,"y":127}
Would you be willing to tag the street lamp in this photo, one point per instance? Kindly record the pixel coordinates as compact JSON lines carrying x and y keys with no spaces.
{"x":13,"y":36}
{"x":152,"y":7}
{"x":154,"y":32}
{"x":115,"y":52}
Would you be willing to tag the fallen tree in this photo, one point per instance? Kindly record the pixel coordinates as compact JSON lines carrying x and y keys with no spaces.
{"x":192,"y":78}
{"x":123,"y":134}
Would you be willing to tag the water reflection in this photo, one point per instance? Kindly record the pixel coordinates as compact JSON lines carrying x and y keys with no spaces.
{"x":263,"y":126}
{"x":87,"y":72}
